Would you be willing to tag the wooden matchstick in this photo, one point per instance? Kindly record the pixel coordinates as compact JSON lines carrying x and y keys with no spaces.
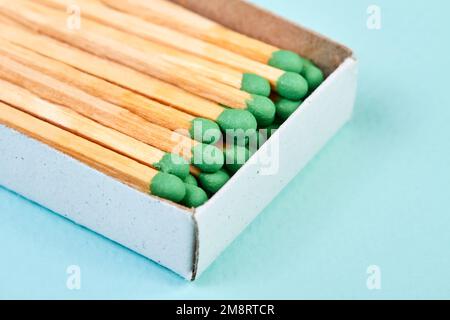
{"x":227,"y":119}
{"x":108,"y":42}
{"x":208,"y":158}
{"x":176,"y":17}
{"x":124,"y":169}
{"x":249,"y":82}
{"x":289,"y":85}
{"x":69,"y":120}
{"x":197,"y":128}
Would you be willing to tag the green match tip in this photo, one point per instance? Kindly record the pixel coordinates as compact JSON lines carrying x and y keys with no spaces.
{"x":313,"y":75}
{"x":236,"y":119}
{"x":235,"y":157}
{"x":195,"y":196}
{"x":285,"y":108}
{"x":207,"y":158}
{"x":168,"y":186}
{"x":213,"y":182}
{"x":173,"y":164}
{"x":255,"y":84}
{"x":205,"y":131}
{"x":287,"y":61}
{"x":190,"y":179}
{"x":292,"y":86}
{"x":237,"y":124}
{"x":263,"y":109}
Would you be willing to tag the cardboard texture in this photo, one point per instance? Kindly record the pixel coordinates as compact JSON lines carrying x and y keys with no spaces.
{"x":186,"y":241}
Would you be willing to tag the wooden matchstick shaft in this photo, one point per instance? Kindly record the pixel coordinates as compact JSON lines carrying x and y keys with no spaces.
{"x":109,"y":162}
{"x":150,"y":110}
{"x":195,"y":171}
{"x":69,"y":120}
{"x":99,"y":110}
{"x":108,"y":42}
{"x":112,"y":72}
{"x":176,"y":17}
{"x":97,"y":11}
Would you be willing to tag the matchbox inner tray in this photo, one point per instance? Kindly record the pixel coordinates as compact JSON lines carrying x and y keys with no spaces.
{"x":188,"y":241}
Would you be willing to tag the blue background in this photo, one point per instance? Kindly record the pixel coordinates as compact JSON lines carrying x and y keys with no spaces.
{"x":376,"y":195}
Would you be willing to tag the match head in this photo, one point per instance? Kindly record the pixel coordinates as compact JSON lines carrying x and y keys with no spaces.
{"x":313,"y":75}
{"x":287,"y":61}
{"x":263,"y":109}
{"x":255,"y":84}
{"x":213,"y":182}
{"x":168,"y":186}
{"x":292,"y":86}
{"x":207,"y":158}
{"x":190,"y":179}
{"x":286,"y":107}
{"x":173,"y":164}
{"x":205,"y":131}
{"x":235,"y":157}
{"x":237,"y":119}
{"x":195,"y":196}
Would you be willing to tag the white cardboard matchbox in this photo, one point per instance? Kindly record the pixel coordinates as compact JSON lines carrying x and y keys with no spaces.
{"x":188,"y":241}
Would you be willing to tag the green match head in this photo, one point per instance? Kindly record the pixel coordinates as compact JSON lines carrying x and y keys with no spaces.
{"x":168,"y":186}
{"x":195,"y":196}
{"x":213,"y":182}
{"x":287,"y":61}
{"x":306,"y":63}
{"x":262,"y":108}
{"x":205,"y":131}
{"x":313,"y":75}
{"x":255,"y":84}
{"x":237,"y":119}
{"x":292,"y":86}
{"x":237,"y":125}
{"x":190,"y":179}
{"x":207,"y":158}
{"x":286,"y":107}
{"x":235,"y":157}
{"x":173,"y":164}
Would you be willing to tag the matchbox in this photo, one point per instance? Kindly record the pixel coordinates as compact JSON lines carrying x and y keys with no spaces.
{"x":183,"y":240}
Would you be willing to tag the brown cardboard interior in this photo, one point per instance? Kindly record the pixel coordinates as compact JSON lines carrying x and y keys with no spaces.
{"x":265,"y":26}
